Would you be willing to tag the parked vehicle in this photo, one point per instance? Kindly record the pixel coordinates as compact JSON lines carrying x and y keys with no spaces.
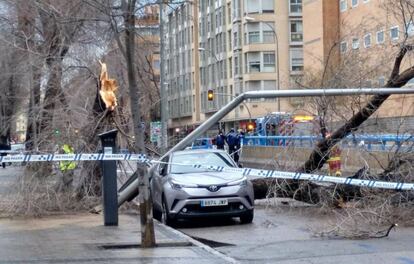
{"x":202,"y":143}
{"x":179,"y":190}
{"x":18,"y":147}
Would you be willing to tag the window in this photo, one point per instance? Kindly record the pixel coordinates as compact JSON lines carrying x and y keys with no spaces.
{"x":295,"y":6}
{"x":355,"y":43}
{"x":229,"y":37}
{"x":380,"y":37}
{"x":267,"y":6}
{"x":367,"y":40}
{"x":344,"y":46}
{"x":253,"y":85}
{"x":253,"y":59}
{"x":236,"y":65}
{"x":254,"y":37}
{"x":365,"y":1}
{"x":269,"y":85}
{"x":354,"y":3}
{"x":228,"y":13}
{"x":394,"y":33}
{"x":269,"y":62}
{"x":296,"y":60}
{"x":268,"y":34}
{"x":343,"y":5}
{"x":268,"y":37}
{"x":259,"y":6}
{"x":296,"y":31}
{"x":252,"y":6}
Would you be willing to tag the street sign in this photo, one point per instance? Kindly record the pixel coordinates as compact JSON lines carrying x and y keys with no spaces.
{"x":155,"y":128}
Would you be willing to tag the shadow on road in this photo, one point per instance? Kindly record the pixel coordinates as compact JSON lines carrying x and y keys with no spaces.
{"x":206,"y":222}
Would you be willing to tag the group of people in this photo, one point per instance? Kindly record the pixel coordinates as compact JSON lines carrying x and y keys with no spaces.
{"x":233,"y":141}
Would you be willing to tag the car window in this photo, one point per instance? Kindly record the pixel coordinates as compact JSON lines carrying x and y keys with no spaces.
{"x":198,"y":142}
{"x":182,"y":163}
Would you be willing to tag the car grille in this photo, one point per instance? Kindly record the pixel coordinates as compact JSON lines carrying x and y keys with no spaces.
{"x":196,"y":208}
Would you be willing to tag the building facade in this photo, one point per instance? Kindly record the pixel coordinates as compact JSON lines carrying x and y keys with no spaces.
{"x":232,"y":47}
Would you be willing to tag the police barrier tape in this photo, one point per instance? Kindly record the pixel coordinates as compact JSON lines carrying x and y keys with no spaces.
{"x":73,"y":157}
{"x":248,"y":172}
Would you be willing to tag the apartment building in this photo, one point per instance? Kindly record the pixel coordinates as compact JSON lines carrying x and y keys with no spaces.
{"x":236,"y":46}
{"x":360,"y":39}
{"x":230,"y":47}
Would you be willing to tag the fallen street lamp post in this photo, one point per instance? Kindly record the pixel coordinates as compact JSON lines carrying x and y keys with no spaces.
{"x":131,"y":188}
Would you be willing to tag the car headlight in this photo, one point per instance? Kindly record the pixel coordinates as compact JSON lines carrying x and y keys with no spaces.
{"x":179,"y":185}
{"x":241,"y":182}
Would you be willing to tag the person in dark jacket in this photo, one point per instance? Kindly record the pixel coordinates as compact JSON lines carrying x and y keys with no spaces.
{"x":233,"y":141}
{"x":220,"y":140}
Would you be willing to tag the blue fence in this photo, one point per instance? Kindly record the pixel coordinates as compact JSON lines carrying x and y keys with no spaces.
{"x":369,"y":142}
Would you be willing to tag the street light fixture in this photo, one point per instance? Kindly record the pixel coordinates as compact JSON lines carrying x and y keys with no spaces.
{"x":252,"y":19}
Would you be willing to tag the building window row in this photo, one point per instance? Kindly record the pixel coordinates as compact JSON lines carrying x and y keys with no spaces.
{"x":180,"y":107}
{"x":259,"y":33}
{"x":259,"y":6}
{"x":394,"y":34}
{"x":343,"y":4}
{"x":260,"y":62}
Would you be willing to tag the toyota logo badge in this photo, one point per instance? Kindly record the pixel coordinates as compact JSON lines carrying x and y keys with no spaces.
{"x":213,"y":188}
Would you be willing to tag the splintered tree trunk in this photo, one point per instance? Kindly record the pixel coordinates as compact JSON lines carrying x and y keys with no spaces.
{"x":145,"y":204}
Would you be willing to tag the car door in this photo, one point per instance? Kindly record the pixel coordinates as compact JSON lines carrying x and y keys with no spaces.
{"x":157,"y":182}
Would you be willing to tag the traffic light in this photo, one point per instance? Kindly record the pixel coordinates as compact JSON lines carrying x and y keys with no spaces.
{"x":250,"y":126}
{"x":210,"y":95}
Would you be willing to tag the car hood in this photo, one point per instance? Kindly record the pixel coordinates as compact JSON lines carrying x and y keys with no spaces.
{"x":206,"y":178}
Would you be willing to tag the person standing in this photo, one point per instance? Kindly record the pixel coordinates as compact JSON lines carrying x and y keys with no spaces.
{"x":220,"y":140}
{"x":233,"y":140}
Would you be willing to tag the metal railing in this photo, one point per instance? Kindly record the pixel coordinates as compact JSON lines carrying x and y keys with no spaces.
{"x":368,"y":142}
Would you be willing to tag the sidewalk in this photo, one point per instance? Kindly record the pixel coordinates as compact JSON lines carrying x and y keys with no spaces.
{"x":82,"y":238}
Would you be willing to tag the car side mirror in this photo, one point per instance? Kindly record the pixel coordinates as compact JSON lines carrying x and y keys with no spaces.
{"x":163,"y":171}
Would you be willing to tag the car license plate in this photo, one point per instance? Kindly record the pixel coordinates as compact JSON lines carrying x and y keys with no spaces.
{"x":214,"y":202}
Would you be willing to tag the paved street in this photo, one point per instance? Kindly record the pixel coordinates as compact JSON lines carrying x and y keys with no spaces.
{"x":287,"y":236}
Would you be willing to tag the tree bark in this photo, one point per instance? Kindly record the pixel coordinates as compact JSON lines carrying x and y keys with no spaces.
{"x":145,"y":204}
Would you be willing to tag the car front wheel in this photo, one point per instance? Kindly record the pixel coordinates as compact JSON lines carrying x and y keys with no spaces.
{"x":165,"y":216}
{"x":247,"y":218}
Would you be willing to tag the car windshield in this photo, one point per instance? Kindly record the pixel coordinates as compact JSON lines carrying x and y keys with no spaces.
{"x":182,"y":163}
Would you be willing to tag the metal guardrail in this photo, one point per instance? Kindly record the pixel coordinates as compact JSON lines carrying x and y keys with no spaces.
{"x":369,"y":142}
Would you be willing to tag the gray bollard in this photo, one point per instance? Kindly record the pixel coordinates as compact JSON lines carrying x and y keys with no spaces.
{"x":109,"y":179}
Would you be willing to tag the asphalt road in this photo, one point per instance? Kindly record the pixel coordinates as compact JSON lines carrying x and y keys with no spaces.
{"x":286,"y":234}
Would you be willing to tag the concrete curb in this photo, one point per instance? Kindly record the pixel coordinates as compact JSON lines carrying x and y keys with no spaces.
{"x":197,"y":243}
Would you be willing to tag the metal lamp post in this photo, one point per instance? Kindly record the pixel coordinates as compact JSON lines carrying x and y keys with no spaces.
{"x":163,"y":93}
{"x":251,"y":19}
